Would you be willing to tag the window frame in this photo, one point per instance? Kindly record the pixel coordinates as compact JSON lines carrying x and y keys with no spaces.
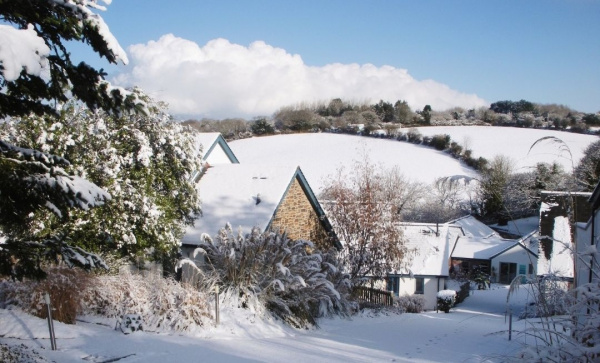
{"x":419,"y":285}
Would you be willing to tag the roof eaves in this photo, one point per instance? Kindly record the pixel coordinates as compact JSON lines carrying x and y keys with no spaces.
{"x":221,"y":141}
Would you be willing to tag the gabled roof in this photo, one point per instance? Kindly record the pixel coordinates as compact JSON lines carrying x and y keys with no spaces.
{"x":484,"y":249}
{"x":429,"y":246}
{"x":245,"y":196}
{"x":474,"y":228}
{"x":213,"y":142}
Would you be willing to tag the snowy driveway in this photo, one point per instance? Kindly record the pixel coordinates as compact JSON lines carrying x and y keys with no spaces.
{"x":473,"y":332}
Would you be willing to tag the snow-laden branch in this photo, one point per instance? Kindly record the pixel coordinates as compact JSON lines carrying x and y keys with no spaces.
{"x":82,"y":8}
{"x":21,"y":49}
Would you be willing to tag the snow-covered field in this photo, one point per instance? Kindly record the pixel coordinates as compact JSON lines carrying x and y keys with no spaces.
{"x":474,"y":331}
{"x":320,"y":155}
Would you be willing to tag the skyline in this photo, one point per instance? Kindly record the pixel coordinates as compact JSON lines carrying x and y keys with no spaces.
{"x":248,"y":58}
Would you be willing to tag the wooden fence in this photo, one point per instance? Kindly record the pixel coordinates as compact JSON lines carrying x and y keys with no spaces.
{"x":374,"y":296}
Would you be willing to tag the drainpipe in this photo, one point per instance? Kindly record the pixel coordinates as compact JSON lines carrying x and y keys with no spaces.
{"x":592,"y":244}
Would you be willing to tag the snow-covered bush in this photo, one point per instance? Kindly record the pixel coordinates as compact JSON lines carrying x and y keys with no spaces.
{"x":573,"y":336}
{"x":296,"y":282}
{"x":411,"y":304}
{"x":480,"y":278}
{"x":446,"y":300}
{"x":130,"y":323}
{"x":64,"y":285}
{"x":551,"y":298}
{"x":163,"y":303}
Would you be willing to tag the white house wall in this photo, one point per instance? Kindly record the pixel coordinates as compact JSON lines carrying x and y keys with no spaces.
{"x":432,"y":286}
{"x":584,"y":239}
{"x":516,"y":255}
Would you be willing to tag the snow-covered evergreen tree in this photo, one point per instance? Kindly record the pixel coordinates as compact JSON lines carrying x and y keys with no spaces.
{"x":31,"y":181}
{"x":36,"y":67}
{"x":143,"y":161}
{"x":37,"y":73}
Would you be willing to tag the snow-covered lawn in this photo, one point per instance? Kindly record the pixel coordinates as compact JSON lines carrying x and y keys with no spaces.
{"x":474,"y":331}
{"x":320,"y":155}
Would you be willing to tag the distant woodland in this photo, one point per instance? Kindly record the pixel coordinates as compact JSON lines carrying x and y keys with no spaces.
{"x":385,"y":118}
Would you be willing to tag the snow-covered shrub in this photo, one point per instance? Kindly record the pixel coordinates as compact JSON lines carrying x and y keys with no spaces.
{"x":480,"y":278}
{"x":446,"y":300}
{"x":551,"y":298}
{"x":163,"y":303}
{"x":64,"y":285}
{"x":572,"y":337}
{"x":130,"y":323}
{"x":411,"y":304}
{"x":296,"y":282}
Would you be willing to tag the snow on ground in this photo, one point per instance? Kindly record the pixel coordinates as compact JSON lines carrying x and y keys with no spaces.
{"x":474,"y":331}
{"x":320,"y":155}
{"x":515,"y":143}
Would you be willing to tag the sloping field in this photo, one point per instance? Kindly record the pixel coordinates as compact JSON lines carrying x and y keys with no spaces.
{"x":516,"y":143}
{"x":320,"y":155}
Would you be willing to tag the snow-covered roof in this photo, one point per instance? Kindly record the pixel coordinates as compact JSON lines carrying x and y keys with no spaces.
{"x":243,"y":195}
{"x":481,"y":248}
{"x":430,"y":245}
{"x":215,"y":149}
{"x":519,"y":227}
{"x":474,"y":228}
{"x":561,"y":261}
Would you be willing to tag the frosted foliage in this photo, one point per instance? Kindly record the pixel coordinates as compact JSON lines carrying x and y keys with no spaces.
{"x":293,"y":284}
{"x":143,"y":162}
{"x":566,"y":327}
{"x":446,"y":294}
{"x":164,"y":304}
{"x":50,"y":175}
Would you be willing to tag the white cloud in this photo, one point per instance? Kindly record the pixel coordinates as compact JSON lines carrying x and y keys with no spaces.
{"x":222,"y":79}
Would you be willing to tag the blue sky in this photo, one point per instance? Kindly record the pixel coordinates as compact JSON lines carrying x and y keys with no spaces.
{"x":444,"y":53}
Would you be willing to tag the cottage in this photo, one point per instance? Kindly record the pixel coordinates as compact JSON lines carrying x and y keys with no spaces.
{"x":483,"y":249}
{"x":427,"y":269}
{"x":271,"y":198}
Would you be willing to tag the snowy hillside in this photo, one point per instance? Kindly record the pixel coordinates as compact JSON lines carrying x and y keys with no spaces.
{"x":319,"y":155}
{"x":487,"y":142}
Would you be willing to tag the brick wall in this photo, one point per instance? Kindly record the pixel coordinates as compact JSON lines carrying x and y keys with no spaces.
{"x":299,"y":220}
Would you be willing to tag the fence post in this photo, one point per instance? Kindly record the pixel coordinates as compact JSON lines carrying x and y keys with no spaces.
{"x":509,"y":323}
{"x":217,"y":319}
{"x":50,"y":323}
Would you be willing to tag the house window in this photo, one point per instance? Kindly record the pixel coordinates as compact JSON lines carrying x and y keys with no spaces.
{"x":419,"y":285}
{"x":530,"y":269}
{"x":393,"y":284}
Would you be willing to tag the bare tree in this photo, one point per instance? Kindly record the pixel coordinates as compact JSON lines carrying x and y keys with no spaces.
{"x":444,"y":201}
{"x":363,"y":207}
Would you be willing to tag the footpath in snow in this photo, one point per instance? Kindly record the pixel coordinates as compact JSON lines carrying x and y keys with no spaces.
{"x":474,"y":331}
